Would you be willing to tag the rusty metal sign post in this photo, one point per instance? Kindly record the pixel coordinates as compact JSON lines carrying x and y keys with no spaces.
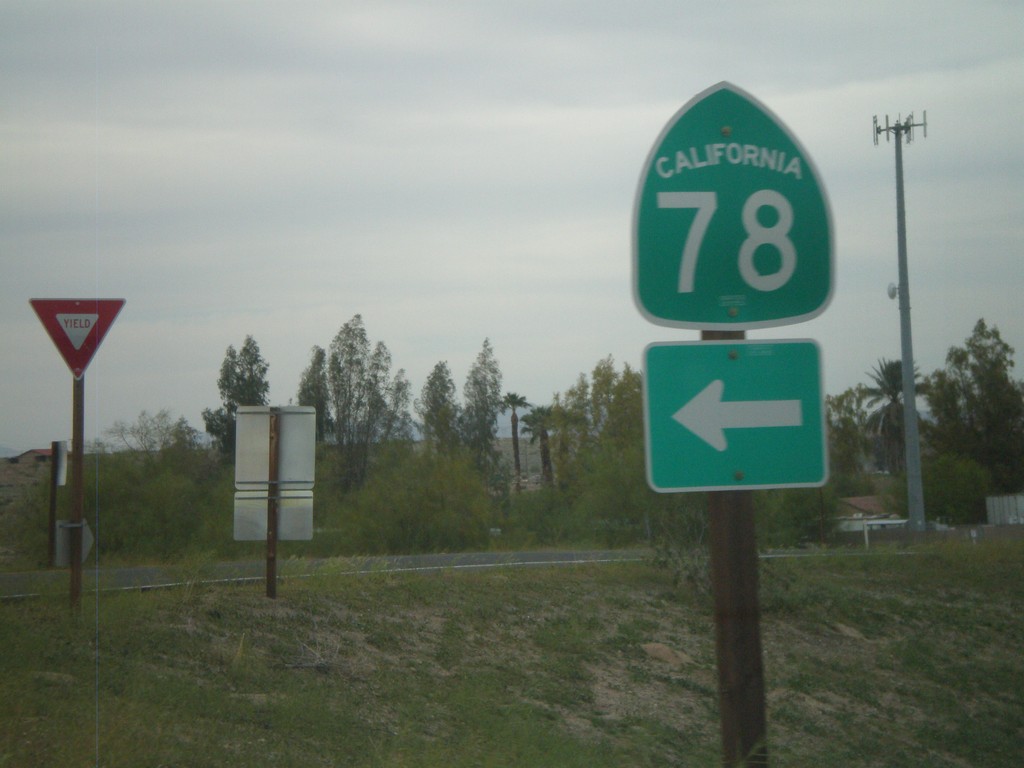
{"x":732,"y":231}
{"x":77,"y":487}
{"x":76,"y":327}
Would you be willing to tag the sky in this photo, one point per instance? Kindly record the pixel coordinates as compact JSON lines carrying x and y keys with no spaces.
{"x":464,"y":170}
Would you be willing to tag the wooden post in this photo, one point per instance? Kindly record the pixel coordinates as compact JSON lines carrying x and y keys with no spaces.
{"x":273,"y":494}
{"x":734,"y":583}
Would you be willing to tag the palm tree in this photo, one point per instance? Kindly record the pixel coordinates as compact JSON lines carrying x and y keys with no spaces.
{"x":513,"y":401}
{"x":886,"y":420}
{"x":536,"y":424}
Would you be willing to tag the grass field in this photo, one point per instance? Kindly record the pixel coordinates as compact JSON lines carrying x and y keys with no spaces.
{"x":881,"y":660}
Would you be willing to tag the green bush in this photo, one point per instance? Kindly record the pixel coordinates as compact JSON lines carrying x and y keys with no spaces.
{"x":419,"y":501}
{"x":543,"y":518}
{"x":794,"y":516}
{"x":614,"y":496}
{"x":680,"y":541}
{"x":156,"y":507}
{"x":23,"y":527}
{"x":954,"y":490}
{"x":845,"y":484}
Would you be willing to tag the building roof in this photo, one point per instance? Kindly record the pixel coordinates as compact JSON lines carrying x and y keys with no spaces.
{"x":34,"y":453}
{"x":870,"y":506}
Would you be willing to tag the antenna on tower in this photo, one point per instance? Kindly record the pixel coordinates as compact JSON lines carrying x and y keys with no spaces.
{"x":909,"y":126}
{"x":902,"y":128}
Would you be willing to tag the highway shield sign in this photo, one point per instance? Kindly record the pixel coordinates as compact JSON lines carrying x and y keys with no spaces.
{"x":731,"y":223}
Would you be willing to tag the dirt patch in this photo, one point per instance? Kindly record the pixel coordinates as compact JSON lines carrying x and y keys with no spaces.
{"x":670,"y":656}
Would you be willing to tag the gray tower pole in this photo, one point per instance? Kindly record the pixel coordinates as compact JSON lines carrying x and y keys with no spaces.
{"x":911,"y":438}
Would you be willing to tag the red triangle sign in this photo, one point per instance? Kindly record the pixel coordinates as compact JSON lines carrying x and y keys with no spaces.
{"x":77,"y":326}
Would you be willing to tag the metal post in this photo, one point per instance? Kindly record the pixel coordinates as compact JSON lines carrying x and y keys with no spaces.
{"x":821,"y":516}
{"x":77,"y":488}
{"x":51,"y":552}
{"x":734,"y":583}
{"x":273,"y":492}
{"x":915,"y":493}
{"x":911,"y":440}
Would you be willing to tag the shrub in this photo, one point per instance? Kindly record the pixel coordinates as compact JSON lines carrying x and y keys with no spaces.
{"x":420,"y":501}
{"x":794,"y":516}
{"x":543,"y":517}
{"x":149,"y":507}
{"x":954,"y":490}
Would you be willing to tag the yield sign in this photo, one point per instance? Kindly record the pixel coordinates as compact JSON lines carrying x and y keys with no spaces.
{"x":77,"y":326}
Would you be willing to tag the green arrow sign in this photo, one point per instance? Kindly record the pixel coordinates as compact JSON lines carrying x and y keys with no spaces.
{"x":729,"y":415}
{"x":731,"y":225}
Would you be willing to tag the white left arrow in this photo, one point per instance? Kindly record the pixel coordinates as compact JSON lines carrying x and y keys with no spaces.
{"x":707,"y":415}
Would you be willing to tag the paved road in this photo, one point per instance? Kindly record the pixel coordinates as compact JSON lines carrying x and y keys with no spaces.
{"x":19,"y":585}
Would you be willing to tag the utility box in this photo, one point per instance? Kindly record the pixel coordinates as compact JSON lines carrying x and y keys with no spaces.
{"x":1005,"y":510}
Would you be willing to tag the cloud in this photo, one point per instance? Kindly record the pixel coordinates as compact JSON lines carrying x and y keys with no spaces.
{"x":460,"y":171}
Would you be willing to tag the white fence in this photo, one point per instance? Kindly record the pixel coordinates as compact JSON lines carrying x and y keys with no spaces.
{"x":1005,"y":510}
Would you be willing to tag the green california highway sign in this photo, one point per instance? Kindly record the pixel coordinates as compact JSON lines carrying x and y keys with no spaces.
{"x":732,"y":415}
{"x":731,"y":224}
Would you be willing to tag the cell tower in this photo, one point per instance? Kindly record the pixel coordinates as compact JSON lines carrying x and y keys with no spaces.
{"x":903,"y":129}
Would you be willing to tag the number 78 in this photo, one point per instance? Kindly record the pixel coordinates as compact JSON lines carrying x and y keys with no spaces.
{"x":777,"y":236}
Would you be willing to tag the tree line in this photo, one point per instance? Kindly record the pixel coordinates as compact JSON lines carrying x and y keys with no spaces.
{"x":591,"y":443}
{"x":404,"y":473}
{"x":398,"y":472}
{"x":362,"y":406}
{"x":972,"y":428}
